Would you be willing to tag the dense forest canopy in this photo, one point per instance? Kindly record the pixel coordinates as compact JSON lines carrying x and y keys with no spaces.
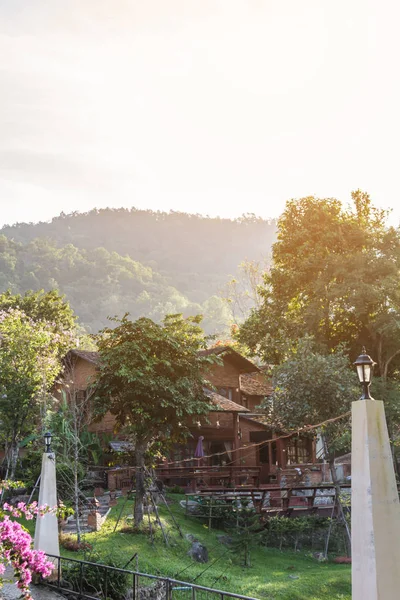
{"x":111,"y":261}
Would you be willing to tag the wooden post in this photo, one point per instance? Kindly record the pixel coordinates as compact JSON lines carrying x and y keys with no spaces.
{"x":281,"y":453}
{"x":313,"y":451}
{"x":270,"y":455}
{"x":235,"y":445}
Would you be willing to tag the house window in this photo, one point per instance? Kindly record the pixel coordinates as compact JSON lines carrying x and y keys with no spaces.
{"x":226,"y":392}
{"x":298,"y":451}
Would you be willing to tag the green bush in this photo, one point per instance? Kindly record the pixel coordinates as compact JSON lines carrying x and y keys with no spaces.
{"x":304,"y":532}
{"x":96,"y":580}
{"x":176,"y":489}
{"x":29,"y":468}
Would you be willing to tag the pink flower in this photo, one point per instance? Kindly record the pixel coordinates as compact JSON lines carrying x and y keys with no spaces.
{"x":16,"y":546}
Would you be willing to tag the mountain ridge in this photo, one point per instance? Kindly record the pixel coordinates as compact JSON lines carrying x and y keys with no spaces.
{"x":140,"y":261}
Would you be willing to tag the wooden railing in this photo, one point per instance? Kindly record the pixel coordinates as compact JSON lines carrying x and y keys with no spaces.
{"x":268,"y":500}
{"x":224,"y":475}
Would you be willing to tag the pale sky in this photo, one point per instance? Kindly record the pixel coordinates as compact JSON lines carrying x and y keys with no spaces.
{"x":210,"y":106}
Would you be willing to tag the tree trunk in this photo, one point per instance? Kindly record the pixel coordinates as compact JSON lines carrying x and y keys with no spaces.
{"x":75,"y":471}
{"x":14,"y":453}
{"x":140,"y":450}
{"x":76,"y":491}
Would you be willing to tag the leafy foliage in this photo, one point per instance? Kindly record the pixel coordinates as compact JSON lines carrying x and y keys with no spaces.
{"x":96,"y":580}
{"x":44,"y":306}
{"x":151,"y":375}
{"x":247,"y":531}
{"x":150,"y":378}
{"x":29,"y":363}
{"x":310,"y":387}
{"x":303,"y":532}
{"x":334,"y":276}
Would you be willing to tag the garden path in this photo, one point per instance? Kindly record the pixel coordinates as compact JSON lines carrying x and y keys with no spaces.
{"x":39,"y":592}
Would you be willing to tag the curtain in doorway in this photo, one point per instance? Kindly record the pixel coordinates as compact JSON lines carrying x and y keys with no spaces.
{"x":228,"y":450}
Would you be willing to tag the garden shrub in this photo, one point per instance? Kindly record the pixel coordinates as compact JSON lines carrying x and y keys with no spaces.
{"x":308,"y":532}
{"x":96,"y":580}
{"x":176,"y":489}
{"x":71,"y":543}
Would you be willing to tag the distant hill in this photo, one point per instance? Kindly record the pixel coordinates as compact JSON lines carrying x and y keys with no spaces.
{"x":147,"y":263}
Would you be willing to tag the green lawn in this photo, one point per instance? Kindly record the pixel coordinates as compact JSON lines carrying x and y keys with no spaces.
{"x":274,"y":575}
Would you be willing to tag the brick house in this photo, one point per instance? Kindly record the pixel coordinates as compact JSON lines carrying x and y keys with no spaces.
{"x":233,"y":432}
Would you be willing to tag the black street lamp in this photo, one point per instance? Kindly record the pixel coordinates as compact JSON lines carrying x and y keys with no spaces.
{"x":365,"y":365}
{"x":47,"y":441}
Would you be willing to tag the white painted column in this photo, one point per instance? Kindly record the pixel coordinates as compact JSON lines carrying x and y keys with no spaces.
{"x":375,"y":508}
{"x":46,"y":532}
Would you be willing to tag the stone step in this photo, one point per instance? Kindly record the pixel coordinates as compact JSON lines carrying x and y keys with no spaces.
{"x":103,"y":509}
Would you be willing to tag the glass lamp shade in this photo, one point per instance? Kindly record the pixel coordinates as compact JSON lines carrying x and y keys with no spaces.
{"x":364,"y":373}
{"x":364,"y":364}
{"x":47,"y":439}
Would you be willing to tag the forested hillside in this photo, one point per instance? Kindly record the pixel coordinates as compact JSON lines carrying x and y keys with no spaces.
{"x":148,"y":263}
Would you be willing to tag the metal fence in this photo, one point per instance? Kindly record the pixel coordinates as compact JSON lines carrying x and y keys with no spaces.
{"x":95,"y":581}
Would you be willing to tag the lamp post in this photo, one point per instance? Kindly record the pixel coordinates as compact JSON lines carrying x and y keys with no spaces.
{"x":365,"y":366}
{"x":375,"y":508}
{"x":47,"y":441}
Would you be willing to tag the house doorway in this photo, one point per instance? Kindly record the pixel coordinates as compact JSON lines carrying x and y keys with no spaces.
{"x":221,"y":453}
{"x":263,"y":453}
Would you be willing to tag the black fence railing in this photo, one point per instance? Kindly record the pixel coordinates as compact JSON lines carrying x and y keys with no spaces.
{"x":94,"y":581}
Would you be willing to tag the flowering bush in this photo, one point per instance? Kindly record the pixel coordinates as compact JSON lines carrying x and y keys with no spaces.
{"x":16,"y":543}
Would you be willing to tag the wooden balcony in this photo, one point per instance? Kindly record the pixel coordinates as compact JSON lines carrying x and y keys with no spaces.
{"x":211,"y":476}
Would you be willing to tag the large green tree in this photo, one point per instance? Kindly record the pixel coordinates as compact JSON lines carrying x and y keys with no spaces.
{"x":29,"y":363}
{"x":151,"y":379}
{"x":335,"y":275}
{"x":311,"y":387}
{"x":42,"y":306}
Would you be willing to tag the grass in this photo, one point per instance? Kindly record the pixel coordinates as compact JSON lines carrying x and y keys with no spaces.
{"x":274,"y":575}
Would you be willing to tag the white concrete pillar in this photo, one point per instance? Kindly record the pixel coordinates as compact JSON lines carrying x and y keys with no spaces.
{"x":375,"y":508}
{"x":46,"y":531}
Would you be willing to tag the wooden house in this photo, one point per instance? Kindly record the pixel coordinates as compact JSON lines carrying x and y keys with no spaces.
{"x":239,"y":444}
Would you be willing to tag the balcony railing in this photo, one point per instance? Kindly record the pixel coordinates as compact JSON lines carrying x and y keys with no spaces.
{"x":206,"y":476}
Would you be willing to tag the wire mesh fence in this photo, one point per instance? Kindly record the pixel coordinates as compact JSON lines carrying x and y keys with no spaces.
{"x":94,"y":581}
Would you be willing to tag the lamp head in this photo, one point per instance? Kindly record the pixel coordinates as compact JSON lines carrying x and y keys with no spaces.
{"x":47,"y":440}
{"x":365,"y":366}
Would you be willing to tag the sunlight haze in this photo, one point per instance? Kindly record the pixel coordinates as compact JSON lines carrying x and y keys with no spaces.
{"x":219,"y":107}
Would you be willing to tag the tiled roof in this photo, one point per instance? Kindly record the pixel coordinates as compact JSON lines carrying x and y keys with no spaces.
{"x":262,"y":420}
{"x":92,"y":357}
{"x":343,"y":460}
{"x":224,"y":404}
{"x":266,"y":421}
{"x":255,"y":384}
{"x":243,"y":364}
